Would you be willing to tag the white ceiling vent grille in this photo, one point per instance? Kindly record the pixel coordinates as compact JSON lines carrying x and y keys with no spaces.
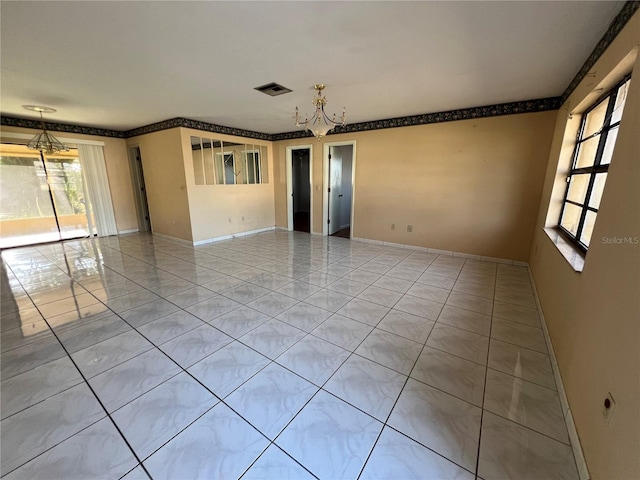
{"x":273,"y":89}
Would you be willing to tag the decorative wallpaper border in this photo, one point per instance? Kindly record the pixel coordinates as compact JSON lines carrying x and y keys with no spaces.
{"x":154,"y":127}
{"x":618,"y":23}
{"x":528,"y":106}
{"x":196,"y":125}
{"x":539,"y":105}
{"x":59,"y":127}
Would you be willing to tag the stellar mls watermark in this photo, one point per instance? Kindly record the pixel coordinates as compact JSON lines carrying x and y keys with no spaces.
{"x":621,"y":240}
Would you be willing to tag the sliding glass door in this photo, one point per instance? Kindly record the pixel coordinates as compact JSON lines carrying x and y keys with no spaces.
{"x":67,"y":188}
{"x":42,"y":198}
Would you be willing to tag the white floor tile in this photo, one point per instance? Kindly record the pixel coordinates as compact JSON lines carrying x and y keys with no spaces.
{"x":342,"y":331}
{"x":331,"y":438}
{"x":274,"y":463}
{"x":219,"y":444}
{"x":397,"y":456}
{"x":443,"y":423}
{"x":390,"y":350}
{"x":454,"y":375}
{"x":307,"y":339}
{"x":228,"y":368}
{"x":154,"y":418}
{"x":509,"y":450}
{"x":367,"y":385}
{"x":271,"y":398}
{"x":525,"y":403}
{"x":42,"y":426}
{"x":96,"y":452}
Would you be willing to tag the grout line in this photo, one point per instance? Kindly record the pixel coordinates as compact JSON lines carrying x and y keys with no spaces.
{"x":484,"y":391}
{"x":275,"y":445}
{"x":108,"y":415}
{"x":180,"y":367}
{"x":326,"y":261}
{"x":385,"y":423}
{"x":578,"y":454}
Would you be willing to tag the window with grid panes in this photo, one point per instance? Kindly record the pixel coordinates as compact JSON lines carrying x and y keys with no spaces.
{"x":591,"y":158}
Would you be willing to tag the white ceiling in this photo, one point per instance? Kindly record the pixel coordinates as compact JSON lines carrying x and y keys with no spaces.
{"x":122,"y":65}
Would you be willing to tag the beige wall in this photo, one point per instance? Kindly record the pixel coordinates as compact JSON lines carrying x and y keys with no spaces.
{"x":219,"y":210}
{"x":470,"y":186}
{"x":594,"y":316}
{"x":117,"y":164}
{"x":165,"y":182}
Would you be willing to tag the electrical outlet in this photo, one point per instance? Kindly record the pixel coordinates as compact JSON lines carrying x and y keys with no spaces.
{"x":393,"y":226}
{"x":409,"y":228}
{"x":229,"y":219}
{"x":608,"y":408}
{"x":243,"y":218}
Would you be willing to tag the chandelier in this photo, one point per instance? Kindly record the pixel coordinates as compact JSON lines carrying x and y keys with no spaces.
{"x":45,"y":142}
{"x":320,"y":124}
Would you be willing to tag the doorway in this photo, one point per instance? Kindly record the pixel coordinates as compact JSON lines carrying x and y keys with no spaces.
{"x":43,"y":197}
{"x":299,"y":182}
{"x":339,"y":177}
{"x":139,"y":189}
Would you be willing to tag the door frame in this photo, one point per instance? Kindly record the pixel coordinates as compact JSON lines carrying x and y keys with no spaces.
{"x":289,"y":167}
{"x":10,"y":139}
{"x":136,"y":184}
{"x":325,"y":189}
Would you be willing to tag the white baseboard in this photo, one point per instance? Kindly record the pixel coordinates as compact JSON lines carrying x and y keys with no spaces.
{"x":233,"y":235}
{"x":440,"y":251}
{"x":480,"y":258}
{"x":392,"y":244}
{"x":471,"y":256}
{"x":416,"y":248}
{"x":212,"y":240}
{"x":181,"y":241}
{"x":581,"y":463}
{"x":368,"y":240}
{"x":254,"y":232}
{"x":131,"y":230}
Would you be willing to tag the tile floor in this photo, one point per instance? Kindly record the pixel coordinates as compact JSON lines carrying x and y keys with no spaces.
{"x":280,"y":355}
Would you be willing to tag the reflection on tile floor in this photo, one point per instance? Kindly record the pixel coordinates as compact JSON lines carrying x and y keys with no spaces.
{"x":279,"y":355}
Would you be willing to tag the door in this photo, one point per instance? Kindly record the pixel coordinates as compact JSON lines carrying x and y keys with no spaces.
{"x":335,"y":191}
{"x":301,"y":190}
{"x":299,"y":171}
{"x":338,"y":166}
{"x":67,"y":192}
{"x":137,"y":177}
{"x":42,"y":197}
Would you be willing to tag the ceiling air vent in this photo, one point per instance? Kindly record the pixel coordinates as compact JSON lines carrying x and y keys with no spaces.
{"x":273,"y":89}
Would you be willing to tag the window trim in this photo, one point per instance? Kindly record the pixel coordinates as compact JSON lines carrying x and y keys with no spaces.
{"x":224,"y":156}
{"x":591,"y":170}
{"x":257,"y":165}
{"x":212,"y":168}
